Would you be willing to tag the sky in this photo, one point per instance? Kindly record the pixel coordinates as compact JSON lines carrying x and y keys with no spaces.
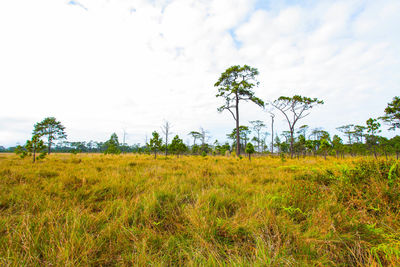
{"x":104,"y":66}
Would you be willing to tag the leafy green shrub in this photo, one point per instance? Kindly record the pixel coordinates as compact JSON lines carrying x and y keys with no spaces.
{"x":321,"y":177}
{"x":366,"y":170}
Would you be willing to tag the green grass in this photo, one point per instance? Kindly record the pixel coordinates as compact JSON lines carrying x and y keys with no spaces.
{"x":99,"y":210}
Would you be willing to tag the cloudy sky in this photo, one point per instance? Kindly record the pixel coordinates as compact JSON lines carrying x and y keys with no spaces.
{"x":101,"y":66}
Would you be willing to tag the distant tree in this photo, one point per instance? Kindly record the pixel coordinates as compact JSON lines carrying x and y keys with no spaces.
{"x":146,"y":144}
{"x":112,"y":145}
{"x":384,"y":145}
{"x":99,"y":146}
{"x":392,"y":114}
{"x":358,"y":133}
{"x":51,"y":129}
{"x":325,"y":146}
{"x":177,"y":146}
{"x":195,"y":149}
{"x":300,"y":145}
{"x":244,"y":131}
{"x":286,"y":135}
{"x":373,"y":129}
{"x":294,"y":108}
{"x":347,"y":130}
{"x":124,"y":147}
{"x":234,"y":85}
{"x":221,"y":149}
{"x":272,"y":130}
{"x":337,"y":145}
{"x":166,"y":131}
{"x":249,"y":149}
{"x":259,"y":142}
{"x":204,"y":135}
{"x":355,"y":136}
{"x":373,"y":126}
{"x":257,"y":126}
{"x":78,"y":147}
{"x":303,"y":130}
{"x":264,"y":142}
{"x":277,"y":143}
{"x":205,"y":148}
{"x":216,"y":148}
{"x":283,"y":147}
{"x":155,"y":143}
{"x":195,"y":135}
{"x":311,"y":146}
{"x":395,"y":143}
{"x":319,"y":134}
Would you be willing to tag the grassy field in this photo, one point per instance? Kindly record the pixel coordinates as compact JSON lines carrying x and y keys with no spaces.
{"x":71,"y":210}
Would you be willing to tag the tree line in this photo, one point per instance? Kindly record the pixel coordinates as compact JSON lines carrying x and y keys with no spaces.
{"x":234,"y":86}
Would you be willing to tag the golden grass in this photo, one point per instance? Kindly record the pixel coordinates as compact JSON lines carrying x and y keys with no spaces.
{"x":71,"y":210}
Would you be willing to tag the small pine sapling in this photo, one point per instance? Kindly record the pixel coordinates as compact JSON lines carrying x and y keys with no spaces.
{"x":34,"y":146}
{"x":249,"y":149}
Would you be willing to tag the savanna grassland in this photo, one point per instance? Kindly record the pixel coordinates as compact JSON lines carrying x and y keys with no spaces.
{"x":105,"y":210}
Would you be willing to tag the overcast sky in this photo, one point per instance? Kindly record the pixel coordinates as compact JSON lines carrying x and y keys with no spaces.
{"x":101,"y":66}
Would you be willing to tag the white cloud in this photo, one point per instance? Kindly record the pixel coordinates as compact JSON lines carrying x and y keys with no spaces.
{"x":100,"y":66}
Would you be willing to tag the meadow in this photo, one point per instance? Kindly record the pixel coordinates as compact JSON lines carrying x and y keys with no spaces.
{"x":106,"y":210}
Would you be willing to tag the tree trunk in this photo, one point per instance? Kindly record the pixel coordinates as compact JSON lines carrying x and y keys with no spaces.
{"x":237,"y":127}
{"x":249,"y":156}
{"x":155,"y":154}
{"x":325,"y":154}
{"x":166,"y":146}
{"x":34,"y":153}
{"x":291,"y":142}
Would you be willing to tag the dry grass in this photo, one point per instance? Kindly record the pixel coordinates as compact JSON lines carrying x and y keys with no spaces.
{"x":71,"y":210}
